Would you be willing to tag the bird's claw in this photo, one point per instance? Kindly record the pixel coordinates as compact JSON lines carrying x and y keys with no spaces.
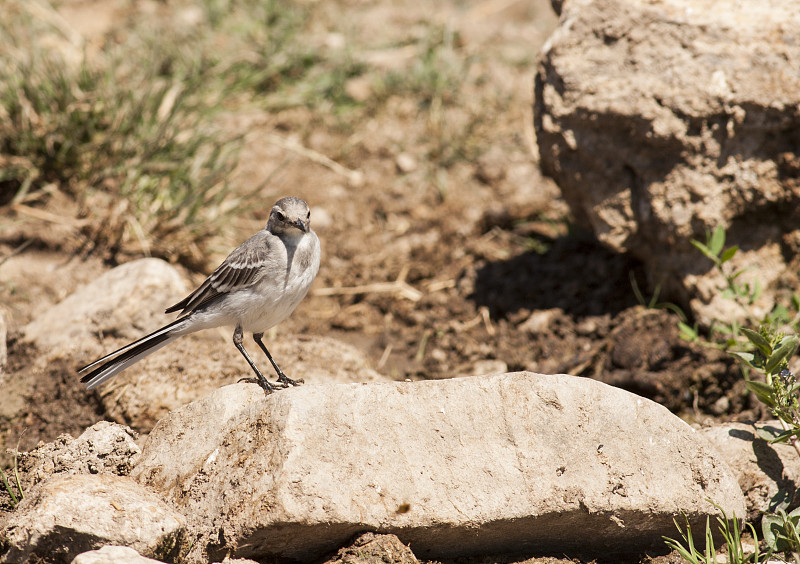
{"x":286,"y":381}
{"x":262,"y":382}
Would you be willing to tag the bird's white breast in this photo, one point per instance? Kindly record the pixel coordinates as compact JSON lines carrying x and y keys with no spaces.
{"x":273,"y":298}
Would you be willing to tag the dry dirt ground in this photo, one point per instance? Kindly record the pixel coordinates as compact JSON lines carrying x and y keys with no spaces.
{"x":489,"y":273}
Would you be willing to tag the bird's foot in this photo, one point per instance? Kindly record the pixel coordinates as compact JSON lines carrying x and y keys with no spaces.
{"x":262,"y":382}
{"x":286,"y":381}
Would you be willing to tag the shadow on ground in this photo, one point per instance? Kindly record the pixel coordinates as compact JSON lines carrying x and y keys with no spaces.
{"x":576,"y":274}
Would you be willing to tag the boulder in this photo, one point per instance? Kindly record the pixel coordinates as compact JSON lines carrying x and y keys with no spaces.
{"x":67,"y":515}
{"x":515,"y":462}
{"x":126,"y":302}
{"x":768,"y":474}
{"x":661,"y":121}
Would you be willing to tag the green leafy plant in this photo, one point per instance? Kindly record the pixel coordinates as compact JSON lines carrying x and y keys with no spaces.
{"x":764,"y":355}
{"x":731,"y":532}
{"x":728,"y":334}
{"x":653,"y":302}
{"x":781,"y":532}
{"x":745,"y":294}
{"x":765,"y":352}
{"x":770,"y":354}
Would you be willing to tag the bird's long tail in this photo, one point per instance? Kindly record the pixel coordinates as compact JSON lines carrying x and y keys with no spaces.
{"x":112,"y":364}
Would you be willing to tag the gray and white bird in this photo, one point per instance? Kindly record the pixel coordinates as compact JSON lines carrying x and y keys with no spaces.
{"x":259,"y":285}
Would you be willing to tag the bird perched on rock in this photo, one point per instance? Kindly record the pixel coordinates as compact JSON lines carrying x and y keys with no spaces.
{"x":259,"y":285}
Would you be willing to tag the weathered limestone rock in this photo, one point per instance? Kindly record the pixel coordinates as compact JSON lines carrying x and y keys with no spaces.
{"x":103,"y":448}
{"x":67,"y":515}
{"x":127,"y":301}
{"x":498,"y":463}
{"x":662,"y":120}
{"x":370,"y":548}
{"x":766,"y":473}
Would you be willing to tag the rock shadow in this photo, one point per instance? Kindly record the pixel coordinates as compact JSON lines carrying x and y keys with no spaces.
{"x":772,"y":466}
{"x":576,"y":274}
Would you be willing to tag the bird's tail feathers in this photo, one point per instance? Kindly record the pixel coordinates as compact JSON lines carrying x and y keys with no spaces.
{"x":113,"y":363}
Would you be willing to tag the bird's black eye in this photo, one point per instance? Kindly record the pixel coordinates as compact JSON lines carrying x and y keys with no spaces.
{"x":279,"y":215}
{"x":308,"y":215}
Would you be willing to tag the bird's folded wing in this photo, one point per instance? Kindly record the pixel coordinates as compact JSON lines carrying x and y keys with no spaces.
{"x":243,"y":267}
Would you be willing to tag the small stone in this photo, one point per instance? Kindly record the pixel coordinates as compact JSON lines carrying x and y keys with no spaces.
{"x":405,"y":163}
{"x":539,"y":321}
{"x":370,"y":548}
{"x":113,"y":555}
{"x":90,"y":511}
{"x":359,"y":88}
{"x":489,"y":366}
{"x":721,"y":406}
{"x":320,"y":218}
{"x":335,"y":41}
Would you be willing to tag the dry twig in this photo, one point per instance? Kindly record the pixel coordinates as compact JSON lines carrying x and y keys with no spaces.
{"x":399,"y":287}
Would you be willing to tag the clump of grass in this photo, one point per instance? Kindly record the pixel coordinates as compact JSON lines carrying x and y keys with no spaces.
{"x":266,"y":54}
{"x":731,"y":532}
{"x":129,"y":135}
{"x":434,"y":76}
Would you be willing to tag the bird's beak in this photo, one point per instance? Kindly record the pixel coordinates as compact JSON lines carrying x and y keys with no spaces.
{"x":301,"y":225}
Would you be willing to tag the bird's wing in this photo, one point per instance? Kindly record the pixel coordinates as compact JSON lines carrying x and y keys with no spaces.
{"x":243,"y":267}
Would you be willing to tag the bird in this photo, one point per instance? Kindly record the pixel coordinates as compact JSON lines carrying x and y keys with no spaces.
{"x":256,"y":287}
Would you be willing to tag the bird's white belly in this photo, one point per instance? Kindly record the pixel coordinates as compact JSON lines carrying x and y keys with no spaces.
{"x":261,"y":314}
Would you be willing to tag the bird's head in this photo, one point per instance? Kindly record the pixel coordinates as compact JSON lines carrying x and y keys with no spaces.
{"x":289,"y":214}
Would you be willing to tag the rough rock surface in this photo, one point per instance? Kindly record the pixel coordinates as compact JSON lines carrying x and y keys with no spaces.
{"x":661,"y":120}
{"x":113,"y":555}
{"x":103,"y":448}
{"x":370,"y":548}
{"x":766,"y":473}
{"x":513,"y":462}
{"x":128,"y":302}
{"x":204,"y":362}
{"x":67,"y":515}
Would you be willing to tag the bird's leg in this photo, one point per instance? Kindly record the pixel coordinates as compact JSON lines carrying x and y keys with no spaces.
{"x":259,"y":379}
{"x":282,"y":378}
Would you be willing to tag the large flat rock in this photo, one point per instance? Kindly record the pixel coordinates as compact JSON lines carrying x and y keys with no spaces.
{"x":499,"y":463}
